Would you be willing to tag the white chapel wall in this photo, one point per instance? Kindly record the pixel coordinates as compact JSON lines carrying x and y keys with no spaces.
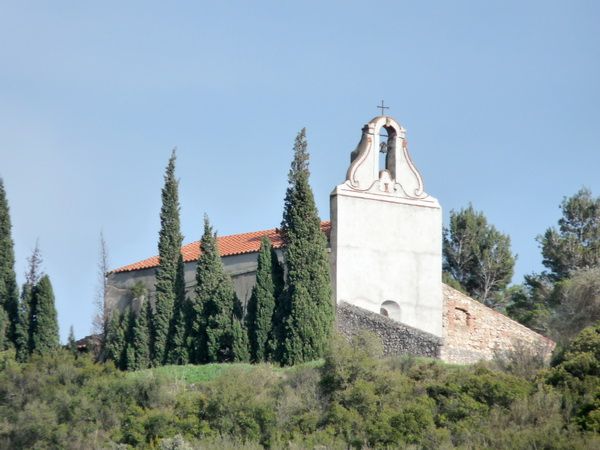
{"x":386,"y":234}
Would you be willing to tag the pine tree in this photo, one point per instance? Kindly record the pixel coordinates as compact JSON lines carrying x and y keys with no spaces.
{"x":261,"y":306}
{"x":169,"y":250}
{"x":575,"y":244}
{"x":140,"y":339}
{"x":307,"y":305}
{"x":115,"y":344}
{"x":44,"y":326}
{"x":477,"y":256}
{"x":71,"y":342}
{"x":9,"y":295}
{"x":213,"y":306}
{"x":177,"y":344}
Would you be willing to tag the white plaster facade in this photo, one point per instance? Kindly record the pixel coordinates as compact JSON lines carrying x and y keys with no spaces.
{"x":386,"y":233}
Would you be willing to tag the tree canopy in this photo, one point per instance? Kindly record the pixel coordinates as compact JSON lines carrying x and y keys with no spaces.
{"x":262,"y":303}
{"x":575,"y":244}
{"x":307,"y":305}
{"x":477,"y":255}
{"x":9,"y":290}
{"x":214,"y":305}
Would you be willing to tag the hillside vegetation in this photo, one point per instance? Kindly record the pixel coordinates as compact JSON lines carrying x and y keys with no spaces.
{"x":352,"y":399}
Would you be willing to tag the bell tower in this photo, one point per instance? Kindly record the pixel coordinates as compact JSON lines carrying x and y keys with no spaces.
{"x":386,"y":232}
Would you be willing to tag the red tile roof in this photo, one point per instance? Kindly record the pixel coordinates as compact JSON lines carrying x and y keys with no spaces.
{"x":235,"y":244}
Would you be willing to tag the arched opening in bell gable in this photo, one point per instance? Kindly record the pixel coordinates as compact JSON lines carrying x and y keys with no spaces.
{"x":387,"y":150}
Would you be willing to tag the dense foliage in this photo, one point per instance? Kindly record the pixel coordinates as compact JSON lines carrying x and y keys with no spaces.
{"x":352,"y":400}
{"x":576,"y":243}
{"x":477,"y":256}
{"x":261,"y":306}
{"x":43,"y":324}
{"x":214,"y":308}
{"x":168,"y":290}
{"x":561,"y":301}
{"x":307,"y":312}
{"x":9,"y":291}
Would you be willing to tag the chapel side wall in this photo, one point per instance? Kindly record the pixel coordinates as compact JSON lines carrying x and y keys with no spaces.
{"x":241,"y":268}
{"x":388,"y":251}
{"x":474,"y":332}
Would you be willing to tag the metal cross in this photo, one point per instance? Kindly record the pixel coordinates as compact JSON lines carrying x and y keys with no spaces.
{"x":383,"y":108}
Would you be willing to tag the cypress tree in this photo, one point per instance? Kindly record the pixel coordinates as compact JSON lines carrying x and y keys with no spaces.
{"x":32,"y":278}
{"x":307,"y":302}
{"x":239,"y":341}
{"x":44,"y":326}
{"x":22,"y":342}
{"x":115,"y":343}
{"x":4,"y":326}
{"x":140,"y":339}
{"x":261,"y":306}
{"x":71,"y":342}
{"x":213,"y":306}
{"x":169,"y":251}
{"x":177,"y":345}
{"x":9,"y":295}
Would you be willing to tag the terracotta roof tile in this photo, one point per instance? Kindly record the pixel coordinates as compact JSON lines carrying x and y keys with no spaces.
{"x":235,"y":244}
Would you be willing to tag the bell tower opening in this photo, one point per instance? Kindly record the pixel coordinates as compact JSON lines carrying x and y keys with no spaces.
{"x":383,"y":149}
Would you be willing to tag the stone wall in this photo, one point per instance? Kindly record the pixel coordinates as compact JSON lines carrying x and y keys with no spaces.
{"x":397,"y":339}
{"x":473,"y":332}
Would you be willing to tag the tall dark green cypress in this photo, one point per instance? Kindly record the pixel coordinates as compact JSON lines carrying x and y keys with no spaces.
{"x":213,"y":305}
{"x":261,"y":306}
{"x":71,"y":342}
{"x":115,"y":344}
{"x":44,"y":325}
{"x":140,"y":339}
{"x":169,"y":251}
{"x":177,"y":343}
{"x":9,"y":292}
{"x":307,"y":300}
{"x":240,"y":349}
{"x":23,"y":341}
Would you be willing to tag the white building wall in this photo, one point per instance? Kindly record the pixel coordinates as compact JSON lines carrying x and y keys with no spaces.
{"x":386,"y":234}
{"x":387,"y":251}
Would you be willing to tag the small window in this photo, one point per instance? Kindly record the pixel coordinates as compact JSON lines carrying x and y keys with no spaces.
{"x":390,"y":309}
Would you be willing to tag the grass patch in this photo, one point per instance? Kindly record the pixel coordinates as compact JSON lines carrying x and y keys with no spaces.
{"x":207,"y":372}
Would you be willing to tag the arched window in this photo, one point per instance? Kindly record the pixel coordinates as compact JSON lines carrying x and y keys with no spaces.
{"x":462,"y":317}
{"x":390,"y":309}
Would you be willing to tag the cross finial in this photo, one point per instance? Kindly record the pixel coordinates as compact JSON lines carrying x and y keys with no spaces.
{"x":383,"y":108}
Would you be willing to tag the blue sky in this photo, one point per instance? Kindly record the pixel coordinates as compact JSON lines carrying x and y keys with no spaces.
{"x":501,"y":102}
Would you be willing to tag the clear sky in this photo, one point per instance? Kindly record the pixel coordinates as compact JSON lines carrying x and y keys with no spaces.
{"x":501,"y":102}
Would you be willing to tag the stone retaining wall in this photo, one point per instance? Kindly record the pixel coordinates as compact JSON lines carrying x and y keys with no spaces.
{"x":473,"y":332}
{"x":397,"y":339}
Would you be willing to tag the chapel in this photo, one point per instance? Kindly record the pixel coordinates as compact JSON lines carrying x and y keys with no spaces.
{"x":385,"y":242}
